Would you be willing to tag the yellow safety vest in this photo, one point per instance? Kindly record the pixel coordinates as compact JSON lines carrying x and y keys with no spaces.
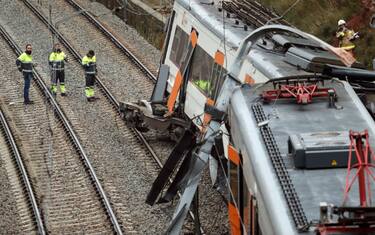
{"x":203,"y":84}
{"x":26,"y":62}
{"x":89,"y":64}
{"x":57,"y":60}
{"x":344,"y":37}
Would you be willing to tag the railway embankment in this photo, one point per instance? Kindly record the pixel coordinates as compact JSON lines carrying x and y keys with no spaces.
{"x":320,"y":18}
{"x":316,"y":17}
{"x":147,"y":17}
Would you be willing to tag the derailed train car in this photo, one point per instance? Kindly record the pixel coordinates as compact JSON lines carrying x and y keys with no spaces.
{"x":273,"y":112}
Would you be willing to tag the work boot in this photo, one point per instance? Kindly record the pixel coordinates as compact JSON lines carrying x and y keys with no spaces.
{"x":90,"y":99}
{"x":63,"y":94}
{"x":28,"y":102}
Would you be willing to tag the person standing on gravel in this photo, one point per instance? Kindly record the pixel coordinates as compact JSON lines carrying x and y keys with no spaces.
{"x":89,"y":63}
{"x":25,"y":65}
{"x":56,"y":61}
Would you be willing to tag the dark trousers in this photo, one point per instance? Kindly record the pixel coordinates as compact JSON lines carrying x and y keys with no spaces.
{"x":27,"y":78}
{"x":58,"y":76}
{"x":90,"y":80}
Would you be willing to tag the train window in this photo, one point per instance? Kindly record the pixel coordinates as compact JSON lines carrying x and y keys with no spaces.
{"x":217,"y":80}
{"x":201,"y":70}
{"x":179,"y":45}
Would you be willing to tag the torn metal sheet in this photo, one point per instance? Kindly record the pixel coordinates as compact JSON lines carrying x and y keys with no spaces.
{"x":200,"y":160}
{"x":178,"y":153}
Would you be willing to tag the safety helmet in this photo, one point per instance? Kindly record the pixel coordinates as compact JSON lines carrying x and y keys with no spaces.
{"x":341,"y":22}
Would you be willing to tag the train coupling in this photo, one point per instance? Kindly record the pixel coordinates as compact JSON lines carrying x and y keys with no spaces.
{"x":144,"y":116}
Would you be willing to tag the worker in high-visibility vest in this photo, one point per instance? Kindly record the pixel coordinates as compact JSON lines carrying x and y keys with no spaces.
{"x":204,"y":85}
{"x":25,"y":65}
{"x":57,"y":62}
{"x":346,"y":36}
{"x":89,"y":63}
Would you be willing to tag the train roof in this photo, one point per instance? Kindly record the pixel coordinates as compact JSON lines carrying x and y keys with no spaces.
{"x":279,"y":55}
{"x":275,"y":55}
{"x":208,"y":14}
{"x":314,"y":129}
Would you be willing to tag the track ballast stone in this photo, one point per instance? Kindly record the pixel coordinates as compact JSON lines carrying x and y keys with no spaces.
{"x":115,"y":153}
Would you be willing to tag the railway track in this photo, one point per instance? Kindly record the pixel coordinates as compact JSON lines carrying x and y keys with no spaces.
{"x":28,"y":208}
{"x":121,"y":72}
{"x":115,"y":48}
{"x":120,"y":49}
{"x":71,"y":196}
{"x":123,"y":50}
{"x":110,"y":92}
{"x":109,"y":47}
{"x":109,"y":35}
{"x":129,"y":173}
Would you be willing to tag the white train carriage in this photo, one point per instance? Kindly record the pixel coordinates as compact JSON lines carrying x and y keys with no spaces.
{"x":255,"y":96}
{"x":200,"y":45}
{"x":218,"y":37}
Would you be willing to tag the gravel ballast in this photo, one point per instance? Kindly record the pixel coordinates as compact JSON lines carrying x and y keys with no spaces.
{"x":122,"y":167}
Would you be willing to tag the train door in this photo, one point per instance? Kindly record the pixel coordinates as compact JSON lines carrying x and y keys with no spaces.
{"x":206,"y":77}
{"x":201,"y":70}
{"x":182,"y":55}
{"x":242,"y":204}
{"x":199,"y":87}
{"x":205,"y":71}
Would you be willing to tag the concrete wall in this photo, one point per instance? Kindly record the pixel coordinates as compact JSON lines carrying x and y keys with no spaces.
{"x":148,"y":22}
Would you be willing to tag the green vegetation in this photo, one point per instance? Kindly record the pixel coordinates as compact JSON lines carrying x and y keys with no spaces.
{"x":319,"y":17}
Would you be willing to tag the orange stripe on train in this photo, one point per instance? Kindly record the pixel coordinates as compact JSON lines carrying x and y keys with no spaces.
{"x":219,"y":58}
{"x":233,"y":155}
{"x":234,"y":219}
{"x":175,"y":89}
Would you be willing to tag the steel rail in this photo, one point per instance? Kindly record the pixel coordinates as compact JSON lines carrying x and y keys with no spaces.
{"x":109,"y":35}
{"x":139,"y":64}
{"x":25,"y":177}
{"x":71,"y":49}
{"x":70,"y":131}
{"x":104,"y":89}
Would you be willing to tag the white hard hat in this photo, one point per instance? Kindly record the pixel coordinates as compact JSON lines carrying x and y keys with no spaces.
{"x":341,"y":22}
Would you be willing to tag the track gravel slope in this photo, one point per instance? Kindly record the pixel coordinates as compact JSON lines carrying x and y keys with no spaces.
{"x":116,"y":155}
{"x":210,"y":201}
{"x":68,"y":200}
{"x":118,"y":73}
{"x":9,"y":209}
{"x":114,"y":152}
